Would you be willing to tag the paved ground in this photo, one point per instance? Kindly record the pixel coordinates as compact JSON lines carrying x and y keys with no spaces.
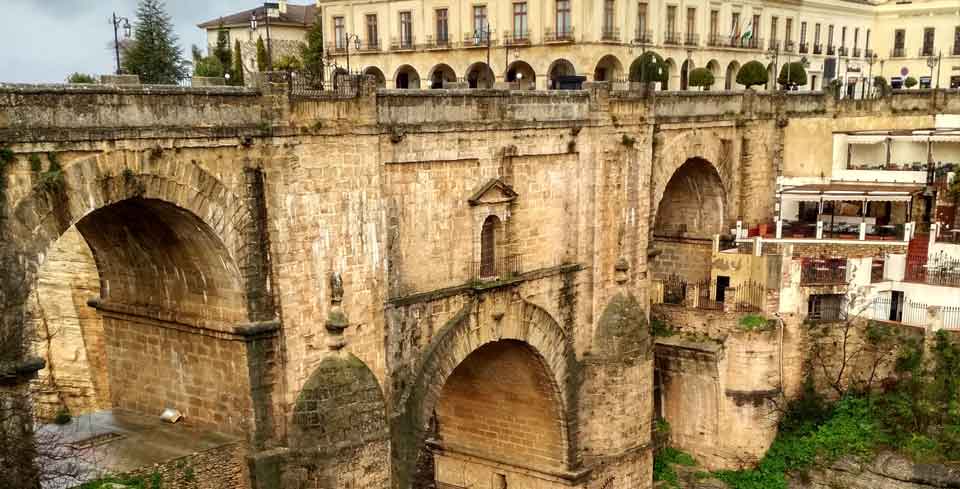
{"x":111,"y":442}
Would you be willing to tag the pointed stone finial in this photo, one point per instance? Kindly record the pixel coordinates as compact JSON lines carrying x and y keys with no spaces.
{"x":620,"y":271}
{"x":337,"y":319}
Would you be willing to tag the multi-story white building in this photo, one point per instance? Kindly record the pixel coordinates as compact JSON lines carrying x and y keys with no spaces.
{"x":534,"y":43}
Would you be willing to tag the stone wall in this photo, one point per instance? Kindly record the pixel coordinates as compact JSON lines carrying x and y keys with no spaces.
{"x":689,"y":259}
{"x":223,"y":467}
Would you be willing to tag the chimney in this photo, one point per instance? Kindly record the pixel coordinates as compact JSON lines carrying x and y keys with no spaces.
{"x":283,"y":6}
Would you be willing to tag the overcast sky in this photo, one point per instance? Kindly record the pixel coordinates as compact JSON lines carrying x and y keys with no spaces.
{"x":46,"y":40}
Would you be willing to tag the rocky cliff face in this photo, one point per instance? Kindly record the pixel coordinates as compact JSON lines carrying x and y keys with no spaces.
{"x":886,"y":471}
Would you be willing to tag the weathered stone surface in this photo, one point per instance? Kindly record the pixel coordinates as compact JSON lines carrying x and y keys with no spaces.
{"x":886,"y":471}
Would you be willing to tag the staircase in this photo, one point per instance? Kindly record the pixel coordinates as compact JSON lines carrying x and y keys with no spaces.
{"x":917,"y":257}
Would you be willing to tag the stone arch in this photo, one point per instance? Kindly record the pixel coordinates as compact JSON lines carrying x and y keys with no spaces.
{"x":609,"y":68}
{"x":558,"y":68}
{"x":406,"y":77}
{"x":479,"y":75}
{"x":503,"y":318}
{"x":167,"y":243}
{"x":693,"y":202}
{"x":671,"y":67}
{"x":714,"y":67}
{"x":730,"y":82}
{"x":339,"y":436}
{"x":685,"y":69}
{"x":521,"y":73}
{"x":441,"y":74}
{"x":377,"y":75}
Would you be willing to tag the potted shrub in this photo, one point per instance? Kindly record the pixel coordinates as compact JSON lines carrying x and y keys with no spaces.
{"x":701,"y":77}
{"x":792,"y":75}
{"x":910,"y":82}
{"x":752,"y":73}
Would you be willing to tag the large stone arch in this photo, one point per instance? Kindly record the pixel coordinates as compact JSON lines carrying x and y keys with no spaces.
{"x":166,"y":237}
{"x":491,"y":318}
{"x":693,"y":202}
{"x":675,"y":148}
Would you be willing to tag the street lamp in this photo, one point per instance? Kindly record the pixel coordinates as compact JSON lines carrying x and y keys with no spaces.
{"x":869,"y":88}
{"x":346,"y":39}
{"x":689,"y":62}
{"x":774,"y":54}
{"x":254,"y":25}
{"x":483,"y":34}
{"x":933,"y":61}
{"x":117,"y":23}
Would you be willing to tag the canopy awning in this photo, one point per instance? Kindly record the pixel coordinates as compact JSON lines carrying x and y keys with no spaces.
{"x":866,"y":139}
{"x":850,"y":191}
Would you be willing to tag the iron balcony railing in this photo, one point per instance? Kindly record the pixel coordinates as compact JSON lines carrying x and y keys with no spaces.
{"x":644,"y":37}
{"x":336,"y":48}
{"x":564,"y":35}
{"x":818,"y":49}
{"x":804,"y":48}
{"x":370,"y":45}
{"x":831,"y":50}
{"x":691,"y":39}
{"x":403,"y":43}
{"x":520,"y":38}
{"x":752,"y":43}
{"x":856,"y":52}
{"x":897,"y":53}
{"x":474,"y":40}
{"x":748,"y":296}
{"x":843,"y":51}
{"x":499,"y":268}
{"x":823,"y":271}
{"x":438,"y":43}
{"x":774,"y":44}
{"x":716,"y":40}
{"x":672,"y":38}
{"x":942,"y":271}
{"x":789,"y":46}
{"x":610,"y":34}
{"x":925,"y":51}
{"x":868,"y":53}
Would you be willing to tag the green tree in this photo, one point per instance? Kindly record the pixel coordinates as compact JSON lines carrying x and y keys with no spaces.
{"x":648,"y":68}
{"x":237,"y":78}
{"x":910,"y":82}
{"x":701,"y":77}
{"x":261,"y":55}
{"x":312,"y":52}
{"x":222,"y":49}
{"x":153,"y":54}
{"x":752,"y":73}
{"x":81,"y":78}
{"x":208,"y":66}
{"x":288,"y":62}
{"x":792,"y":75}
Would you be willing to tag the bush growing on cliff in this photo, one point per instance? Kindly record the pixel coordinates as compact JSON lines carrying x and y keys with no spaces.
{"x":81,"y":78}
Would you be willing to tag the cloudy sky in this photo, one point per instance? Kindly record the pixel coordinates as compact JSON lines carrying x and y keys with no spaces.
{"x":46,"y":40}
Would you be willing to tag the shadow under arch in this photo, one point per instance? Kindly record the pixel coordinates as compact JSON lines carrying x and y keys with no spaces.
{"x":528,"y":324}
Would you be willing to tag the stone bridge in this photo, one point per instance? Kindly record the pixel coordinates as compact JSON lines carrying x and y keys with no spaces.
{"x":388,"y":289}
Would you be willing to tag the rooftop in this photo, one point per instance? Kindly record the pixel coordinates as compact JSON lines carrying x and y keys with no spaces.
{"x":295,"y":15}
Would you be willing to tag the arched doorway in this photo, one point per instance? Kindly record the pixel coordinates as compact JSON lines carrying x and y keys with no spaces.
{"x":479,"y":75}
{"x":442,"y":74}
{"x":685,"y":70}
{"x":559,"y":71}
{"x":608,"y":68}
{"x":714,"y":67}
{"x":671,"y":67}
{"x":521,"y":74}
{"x":406,"y":78}
{"x":689,"y":214}
{"x":730,"y":82}
{"x":500,"y":405}
{"x":377,"y":75}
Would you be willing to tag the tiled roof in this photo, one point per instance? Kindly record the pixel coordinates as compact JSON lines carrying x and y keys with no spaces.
{"x":296,"y":15}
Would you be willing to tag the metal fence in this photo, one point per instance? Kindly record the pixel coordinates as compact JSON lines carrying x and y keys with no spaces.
{"x":823,"y":271}
{"x":951,"y":317}
{"x":498,"y":268}
{"x":744,"y":297}
{"x":906,"y":312}
{"x":939,"y":271}
{"x":334,"y":83}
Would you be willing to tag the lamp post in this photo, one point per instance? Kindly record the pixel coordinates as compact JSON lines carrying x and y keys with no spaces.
{"x":117,"y":22}
{"x":689,"y":62}
{"x":346,"y":39}
{"x":934,"y":61}
{"x":868,"y":89}
{"x":483,"y":34}
{"x":774,"y":54}
{"x":254,"y":25}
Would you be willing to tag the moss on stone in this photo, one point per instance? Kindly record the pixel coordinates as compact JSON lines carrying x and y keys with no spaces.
{"x":623,"y":327}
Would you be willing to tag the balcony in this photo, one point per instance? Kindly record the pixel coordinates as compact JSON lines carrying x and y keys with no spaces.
{"x":925,"y":51}
{"x":552,"y":36}
{"x":610,"y":34}
{"x":856,"y":52}
{"x":956,"y":50}
{"x":944,"y":272}
{"x":818,"y":49}
{"x":471,"y":40}
{"x":774,"y":45}
{"x":521,"y":38}
{"x":643,"y":37}
{"x":438,"y":43}
{"x":831,"y":50}
{"x":403,"y":43}
{"x":843,"y":51}
{"x":496,"y":270}
{"x":691,"y":39}
{"x":823,"y":271}
{"x":716,"y":40}
{"x":370,"y":46}
{"x":789,"y":46}
{"x":804,"y":48}
{"x":672,"y":38}
{"x":337,"y":48}
{"x":897,"y":53}
{"x":752,"y":43}
{"x":868,"y":53}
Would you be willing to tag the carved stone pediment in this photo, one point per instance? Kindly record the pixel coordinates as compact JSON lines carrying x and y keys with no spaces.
{"x":493,"y":192}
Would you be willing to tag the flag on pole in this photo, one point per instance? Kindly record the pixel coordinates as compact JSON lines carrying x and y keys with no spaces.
{"x":748,"y":32}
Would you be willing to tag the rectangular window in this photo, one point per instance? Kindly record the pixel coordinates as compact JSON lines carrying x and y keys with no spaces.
{"x":843,"y":36}
{"x":671,"y":22}
{"x":691,"y":24}
{"x":803,"y":33}
{"x":928,"y":41}
{"x":340,"y":33}
{"x":956,"y":40}
{"x":480,"y":23}
{"x":609,"y":8}
{"x":735,"y":24}
{"x":756,"y":26}
{"x":856,"y":36}
{"x":714,"y":24}
{"x":773,"y":27}
{"x":520,"y":20}
{"x":443,"y":26}
{"x":899,"y":38}
{"x":816,"y":34}
{"x":373,"y":36}
{"x":564,"y":19}
{"x":642,"y":21}
{"x":825,"y":307}
{"x":788,"y":31}
{"x":406,"y":30}
{"x":866,"y":40}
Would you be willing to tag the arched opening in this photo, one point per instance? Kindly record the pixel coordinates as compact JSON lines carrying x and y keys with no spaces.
{"x":730,"y":82}
{"x":559,"y":73}
{"x":771,"y":77}
{"x":648,"y":67}
{"x":407,"y":78}
{"x":714,"y":67}
{"x":491,"y":237}
{"x":689,"y":214}
{"x":479,"y":75}
{"x":521,"y":74}
{"x":377,"y":76}
{"x":671,"y":66}
{"x":499,"y":405}
{"x":685,"y":70}
{"x":168,"y":289}
{"x":442,"y":74}
{"x":608,"y":68}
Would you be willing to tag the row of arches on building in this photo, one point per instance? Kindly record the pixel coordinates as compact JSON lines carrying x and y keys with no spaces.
{"x":525,"y":77}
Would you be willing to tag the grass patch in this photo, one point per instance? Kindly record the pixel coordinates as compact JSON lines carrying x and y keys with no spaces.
{"x":663,"y":462}
{"x":661,"y":329}
{"x":153,"y":481}
{"x":754,"y":322}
